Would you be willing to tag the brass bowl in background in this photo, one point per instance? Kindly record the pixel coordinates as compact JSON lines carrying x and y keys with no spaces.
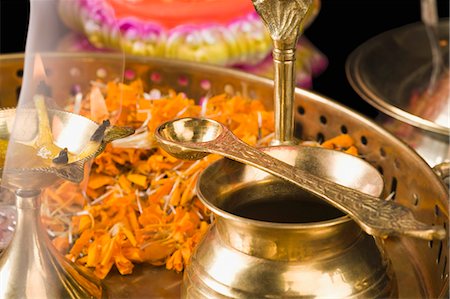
{"x":421,"y":267}
{"x":389,"y":70}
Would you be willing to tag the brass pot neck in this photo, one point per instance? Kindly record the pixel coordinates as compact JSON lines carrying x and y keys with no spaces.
{"x":289,"y":242}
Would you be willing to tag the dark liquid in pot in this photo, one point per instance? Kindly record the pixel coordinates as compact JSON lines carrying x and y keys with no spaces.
{"x":295,"y":206}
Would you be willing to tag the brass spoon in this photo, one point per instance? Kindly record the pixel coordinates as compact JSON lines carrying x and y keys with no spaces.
{"x":194,"y":138}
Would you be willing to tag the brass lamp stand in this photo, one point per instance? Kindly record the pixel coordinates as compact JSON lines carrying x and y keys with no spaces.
{"x":30,"y":266}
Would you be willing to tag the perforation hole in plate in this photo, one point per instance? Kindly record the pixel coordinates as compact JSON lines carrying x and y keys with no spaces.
{"x":415,"y":199}
{"x":382,"y":152}
{"x":437,"y":212}
{"x":323,"y":120}
{"x":444,"y":273}
{"x":18,"y":92}
{"x":298,"y":131}
{"x":19,"y":73}
{"x":344,"y":129}
{"x":364,"y":140}
{"x":320,"y":137}
{"x":301,"y":110}
{"x":380,"y":169}
{"x":439,"y":255}
{"x":394,"y":183}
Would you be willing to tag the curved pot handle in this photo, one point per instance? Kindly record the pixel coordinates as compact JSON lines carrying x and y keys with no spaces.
{"x":442,"y":170}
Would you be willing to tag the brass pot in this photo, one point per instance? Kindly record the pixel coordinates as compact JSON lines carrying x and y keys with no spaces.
{"x":273,"y":240}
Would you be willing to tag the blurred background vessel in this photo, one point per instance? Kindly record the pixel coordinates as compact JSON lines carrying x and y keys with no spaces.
{"x":395,"y":74}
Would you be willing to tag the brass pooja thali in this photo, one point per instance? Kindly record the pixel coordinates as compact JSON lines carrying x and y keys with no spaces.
{"x":420,"y":266}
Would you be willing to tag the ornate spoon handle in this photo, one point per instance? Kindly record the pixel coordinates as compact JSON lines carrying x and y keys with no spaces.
{"x":283,"y":19}
{"x":376,"y":217}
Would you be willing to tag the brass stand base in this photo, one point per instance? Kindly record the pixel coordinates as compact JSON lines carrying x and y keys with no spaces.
{"x":31,"y":267}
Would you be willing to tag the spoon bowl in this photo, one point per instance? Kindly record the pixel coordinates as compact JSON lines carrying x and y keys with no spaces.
{"x":172,"y":135}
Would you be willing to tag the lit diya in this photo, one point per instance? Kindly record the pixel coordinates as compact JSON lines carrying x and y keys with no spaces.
{"x":39,"y":155}
{"x":61,"y":149}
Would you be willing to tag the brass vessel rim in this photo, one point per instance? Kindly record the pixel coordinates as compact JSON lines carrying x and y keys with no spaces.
{"x":268,"y":224}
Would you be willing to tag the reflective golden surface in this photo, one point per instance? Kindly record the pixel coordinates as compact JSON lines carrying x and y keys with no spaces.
{"x":284,"y":20}
{"x":31,"y":267}
{"x":246,"y":258}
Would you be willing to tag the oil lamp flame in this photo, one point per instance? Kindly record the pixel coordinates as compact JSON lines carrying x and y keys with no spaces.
{"x":40,"y":77}
{"x":39,"y":73}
